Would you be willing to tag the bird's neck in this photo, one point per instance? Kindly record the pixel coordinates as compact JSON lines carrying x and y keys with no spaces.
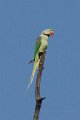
{"x":44,"y":37}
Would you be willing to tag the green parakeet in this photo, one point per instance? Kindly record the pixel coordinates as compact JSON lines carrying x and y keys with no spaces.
{"x":40,"y":46}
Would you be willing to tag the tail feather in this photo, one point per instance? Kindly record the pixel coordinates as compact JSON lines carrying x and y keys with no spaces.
{"x":32,"y":76}
{"x":30,"y":82}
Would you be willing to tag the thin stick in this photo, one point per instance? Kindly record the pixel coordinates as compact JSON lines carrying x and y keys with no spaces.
{"x":38,"y":98}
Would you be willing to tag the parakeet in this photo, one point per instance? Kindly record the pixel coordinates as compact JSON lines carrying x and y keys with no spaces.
{"x":40,"y":46}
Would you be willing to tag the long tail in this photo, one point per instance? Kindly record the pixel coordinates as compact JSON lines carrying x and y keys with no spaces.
{"x":32,"y":76}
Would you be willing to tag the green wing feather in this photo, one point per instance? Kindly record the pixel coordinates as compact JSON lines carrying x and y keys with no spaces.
{"x":37,"y":46}
{"x":36,"y":58}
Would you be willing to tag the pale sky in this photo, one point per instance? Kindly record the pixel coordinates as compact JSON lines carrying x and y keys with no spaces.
{"x":21,"y":22}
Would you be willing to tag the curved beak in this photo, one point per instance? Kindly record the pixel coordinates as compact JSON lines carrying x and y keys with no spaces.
{"x":51,"y":33}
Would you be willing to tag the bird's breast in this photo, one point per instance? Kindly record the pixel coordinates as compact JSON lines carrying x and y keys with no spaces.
{"x":44,"y":43}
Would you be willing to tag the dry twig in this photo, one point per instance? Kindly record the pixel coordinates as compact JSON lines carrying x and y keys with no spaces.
{"x":39,"y":99}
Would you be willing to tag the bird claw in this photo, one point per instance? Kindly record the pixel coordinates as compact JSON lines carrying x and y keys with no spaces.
{"x":41,"y":68}
{"x":40,"y":54}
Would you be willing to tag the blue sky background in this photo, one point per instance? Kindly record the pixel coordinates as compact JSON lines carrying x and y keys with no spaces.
{"x":21,"y":21}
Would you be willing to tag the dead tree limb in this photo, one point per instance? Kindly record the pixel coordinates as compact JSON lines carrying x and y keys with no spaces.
{"x":38,"y":98}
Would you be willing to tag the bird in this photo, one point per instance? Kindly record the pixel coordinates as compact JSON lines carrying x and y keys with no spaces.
{"x":41,"y":45}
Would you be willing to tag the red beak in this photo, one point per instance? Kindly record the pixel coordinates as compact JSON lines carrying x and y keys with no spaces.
{"x":51,"y":33}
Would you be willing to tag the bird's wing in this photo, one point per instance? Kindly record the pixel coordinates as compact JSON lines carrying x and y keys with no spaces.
{"x":37,"y":46}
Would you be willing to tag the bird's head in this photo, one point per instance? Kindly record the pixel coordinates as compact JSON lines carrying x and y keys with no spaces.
{"x":48,"y":32}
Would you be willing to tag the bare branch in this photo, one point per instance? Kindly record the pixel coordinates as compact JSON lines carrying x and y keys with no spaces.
{"x":39,"y":99}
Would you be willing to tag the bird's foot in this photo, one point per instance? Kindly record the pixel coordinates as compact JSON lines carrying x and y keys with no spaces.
{"x":41,"y":68}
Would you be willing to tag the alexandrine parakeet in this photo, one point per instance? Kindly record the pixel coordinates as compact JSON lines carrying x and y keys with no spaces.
{"x":40,"y":46}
